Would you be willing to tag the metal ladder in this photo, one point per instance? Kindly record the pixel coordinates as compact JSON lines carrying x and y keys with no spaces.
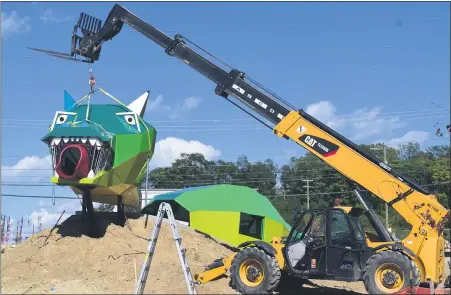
{"x":141,"y":283}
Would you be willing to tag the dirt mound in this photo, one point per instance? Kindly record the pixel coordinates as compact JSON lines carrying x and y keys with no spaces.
{"x":72,"y":263}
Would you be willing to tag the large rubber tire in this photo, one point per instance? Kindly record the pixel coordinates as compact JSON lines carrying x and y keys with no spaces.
{"x":268,"y":266}
{"x":389,"y":261}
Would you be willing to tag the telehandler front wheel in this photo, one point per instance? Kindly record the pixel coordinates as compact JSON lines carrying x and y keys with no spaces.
{"x":388,"y":271}
{"x":254,"y":272}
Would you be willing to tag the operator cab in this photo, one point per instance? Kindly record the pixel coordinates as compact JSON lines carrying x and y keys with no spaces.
{"x":327,"y":243}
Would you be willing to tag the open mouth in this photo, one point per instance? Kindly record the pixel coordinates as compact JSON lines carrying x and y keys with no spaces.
{"x":79,"y":157}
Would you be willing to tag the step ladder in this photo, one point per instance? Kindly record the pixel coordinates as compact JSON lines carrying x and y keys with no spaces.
{"x":141,"y":283}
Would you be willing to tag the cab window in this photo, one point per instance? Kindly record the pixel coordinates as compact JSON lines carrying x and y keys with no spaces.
{"x":298,"y":233}
{"x":358,"y":229}
{"x":340,"y":233}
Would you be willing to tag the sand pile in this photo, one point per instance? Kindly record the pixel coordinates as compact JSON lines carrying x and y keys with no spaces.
{"x":72,"y":263}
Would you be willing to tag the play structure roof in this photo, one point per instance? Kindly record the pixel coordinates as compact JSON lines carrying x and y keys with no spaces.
{"x":222,"y":197}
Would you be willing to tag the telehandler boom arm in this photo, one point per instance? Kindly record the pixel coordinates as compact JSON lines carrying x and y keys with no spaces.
{"x":419,"y":208}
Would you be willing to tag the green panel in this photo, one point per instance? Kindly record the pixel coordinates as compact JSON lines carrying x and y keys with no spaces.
{"x":226,"y":197}
{"x":126,"y":146}
{"x":127,"y":172}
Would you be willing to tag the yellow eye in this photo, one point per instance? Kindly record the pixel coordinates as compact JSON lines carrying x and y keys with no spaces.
{"x":130,"y":119}
{"x":61,"y":119}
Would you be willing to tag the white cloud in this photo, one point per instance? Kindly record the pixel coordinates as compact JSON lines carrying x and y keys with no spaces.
{"x":48,"y":219}
{"x":49,"y":16}
{"x":411,"y":136}
{"x":13,"y":24}
{"x":325,"y":112}
{"x":191,"y":102}
{"x":49,"y":215}
{"x":361,"y":124}
{"x":157,"y":105}
{"x":33,"y":167}
{"x":169,"y":149}
{"x":175,"y":110}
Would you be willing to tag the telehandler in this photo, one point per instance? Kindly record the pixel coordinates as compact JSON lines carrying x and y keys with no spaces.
{"x":323,"y":243}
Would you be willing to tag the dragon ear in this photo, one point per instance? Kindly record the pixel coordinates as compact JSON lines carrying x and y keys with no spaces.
{"x":69,"y":102}
{"x":139,"y":105}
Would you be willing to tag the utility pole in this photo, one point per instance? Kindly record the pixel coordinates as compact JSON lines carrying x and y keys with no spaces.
{"x":8,"y":226}
{"x":384,"y":148}
{"x":20,"y":230}
{"x":39,"y":224}
{"x":3,"y":228}
{"x":308,"y":191}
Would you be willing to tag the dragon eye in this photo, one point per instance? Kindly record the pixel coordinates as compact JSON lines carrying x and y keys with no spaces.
{"x":61,"y":119}
{"x":130,"y":119}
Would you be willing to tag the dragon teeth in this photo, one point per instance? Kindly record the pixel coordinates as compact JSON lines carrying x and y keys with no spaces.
{"x":91,"y":174}
{"x":95,"y":142}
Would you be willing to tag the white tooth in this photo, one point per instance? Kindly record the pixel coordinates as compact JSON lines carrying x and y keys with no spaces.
{"x":65,"y":139}
{"x":77,"y":139}
{"x":98,"y":147}
{"x":84,"y":139}
{"x":92,"y":141}
{"x":52,"y":142}
{"x":57,"y":140}
{"x":98,"y":143}
{"x":91,"y":174}
{"x":72,"y":139}
{"x":56,"y":174}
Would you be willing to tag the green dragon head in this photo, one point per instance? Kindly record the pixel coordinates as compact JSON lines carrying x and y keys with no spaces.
{"x":101,"y":147}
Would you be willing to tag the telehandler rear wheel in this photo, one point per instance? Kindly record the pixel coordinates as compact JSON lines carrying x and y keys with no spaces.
{"x":254,"y":272}
{"x":388,"y":271}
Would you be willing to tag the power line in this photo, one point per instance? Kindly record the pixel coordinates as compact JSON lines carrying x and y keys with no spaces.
{"x":295,"y":29}
{"x":352,"y":115}
{"x":325,"y":50}
{"x":352,"y":118}
{"x":325,"y":169}
{"x":276,"y":196}
{"x":276,"y":171}
{"x":326,"y":193}
{"x":42,"y":197}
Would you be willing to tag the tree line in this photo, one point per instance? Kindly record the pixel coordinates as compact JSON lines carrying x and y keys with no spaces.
{"x":286,"y":187}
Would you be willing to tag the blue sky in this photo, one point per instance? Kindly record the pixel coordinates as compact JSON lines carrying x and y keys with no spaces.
{"x":369,"y":70}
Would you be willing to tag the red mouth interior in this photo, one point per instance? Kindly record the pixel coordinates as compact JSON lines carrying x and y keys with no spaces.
{"x":73,"y":162}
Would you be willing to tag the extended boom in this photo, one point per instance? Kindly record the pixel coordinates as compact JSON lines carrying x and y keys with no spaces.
{"x":419,"y":208}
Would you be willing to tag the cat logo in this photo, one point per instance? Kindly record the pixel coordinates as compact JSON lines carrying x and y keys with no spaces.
{"x":313,"y":263}
{"x":301,"y":129}
{"x":310,"y":141}
{"x":320,"y":145}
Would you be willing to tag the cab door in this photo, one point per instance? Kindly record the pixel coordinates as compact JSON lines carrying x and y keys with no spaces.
{"x":345,"y":246}
{"x":305,"y":249}
{"x":315,"y":257}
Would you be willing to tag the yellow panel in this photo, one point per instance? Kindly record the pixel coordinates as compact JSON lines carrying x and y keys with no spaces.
{"x":108,"y":195}
{"x":218,"y":224}
{"x":273,"y":229}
